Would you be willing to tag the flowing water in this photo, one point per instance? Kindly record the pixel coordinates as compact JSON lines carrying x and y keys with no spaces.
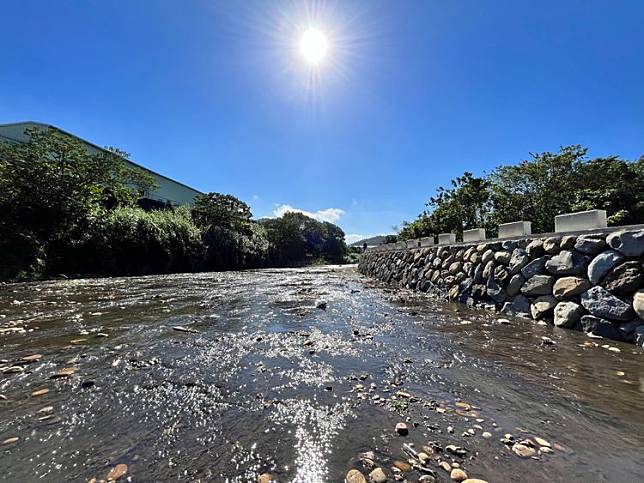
{"x":262,"y":381}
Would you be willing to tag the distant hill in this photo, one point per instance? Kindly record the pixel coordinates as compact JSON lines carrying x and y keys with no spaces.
{"x":374,"y":240}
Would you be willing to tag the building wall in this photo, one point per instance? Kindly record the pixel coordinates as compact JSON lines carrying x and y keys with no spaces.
{"x":168,"y":190}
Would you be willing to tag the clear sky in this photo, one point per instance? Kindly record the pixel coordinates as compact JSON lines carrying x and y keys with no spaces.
{"x":410,"y":94}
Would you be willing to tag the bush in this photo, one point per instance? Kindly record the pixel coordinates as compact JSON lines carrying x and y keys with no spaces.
{"x":131,"y":241}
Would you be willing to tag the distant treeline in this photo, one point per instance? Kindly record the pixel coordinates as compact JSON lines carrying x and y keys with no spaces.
{"x":65,"y":211}
{"x":536,"y":190}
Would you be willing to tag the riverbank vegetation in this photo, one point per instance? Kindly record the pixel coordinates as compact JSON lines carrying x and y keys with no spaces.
{"x":536,"y":190}
{"x":64,"y":210}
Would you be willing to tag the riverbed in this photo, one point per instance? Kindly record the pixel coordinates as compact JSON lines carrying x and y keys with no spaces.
{"x":302,"y":374}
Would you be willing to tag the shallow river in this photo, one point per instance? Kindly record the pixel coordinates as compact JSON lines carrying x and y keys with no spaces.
{"x":262,"y":381}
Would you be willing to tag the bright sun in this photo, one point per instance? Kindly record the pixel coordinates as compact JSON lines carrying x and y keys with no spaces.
{"x":313,"y":46}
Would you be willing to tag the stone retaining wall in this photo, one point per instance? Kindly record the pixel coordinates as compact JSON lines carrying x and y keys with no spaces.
{"x":592,"y":282}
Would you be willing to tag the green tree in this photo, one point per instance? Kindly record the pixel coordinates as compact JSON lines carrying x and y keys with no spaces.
{"x":614,"y":185}
{"x":537,"y":189}
{"x":296,"y":239}
{"x":463,"y":206}
{"x":50,"y":190}
{"x":224,"y":211}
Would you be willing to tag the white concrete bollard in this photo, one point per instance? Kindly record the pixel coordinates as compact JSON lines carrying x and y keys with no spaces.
{"x":582,"y":220}
{"x":515,"y":229}
{"x":428,"y":241}
{"x":446,"y":238}
{"x":475,"y":234}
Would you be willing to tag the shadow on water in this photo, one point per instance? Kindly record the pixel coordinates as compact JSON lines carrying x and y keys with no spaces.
{"x":257,"y":379}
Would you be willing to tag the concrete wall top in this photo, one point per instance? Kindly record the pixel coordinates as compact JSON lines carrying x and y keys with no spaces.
{"x":535,"y":236}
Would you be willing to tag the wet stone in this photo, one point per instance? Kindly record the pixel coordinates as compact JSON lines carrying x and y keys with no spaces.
{"x":355,"y":476}
{"x":378,"y":476}
{"x":402,"y":429}
{"x":523,"y":451}
{"x":458,"y":475}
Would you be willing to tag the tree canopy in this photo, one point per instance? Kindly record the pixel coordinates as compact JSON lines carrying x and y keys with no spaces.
{"x":536,"y":189}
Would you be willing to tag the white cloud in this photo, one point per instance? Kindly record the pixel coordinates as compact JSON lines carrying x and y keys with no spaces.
{"x":330,"y":214}
{"x":354,"y":237}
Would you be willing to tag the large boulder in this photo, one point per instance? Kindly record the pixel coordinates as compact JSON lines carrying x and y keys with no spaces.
{"x":518,"y":305}
{"x":535,"y":248}
{"x":487,"y":256}
{"x":566,"y":263}
{"x":542,"y":305}
{"x":552,"y":244}
{"x":602,"y":264}
{"x":501,"y":274}
{"x":638,"y":336}
{"x":590,"y":244}
{"x":628,"y":329}
{"x":495,"y":291}
{"x":488,"y":271}
{"x":514,"y":285}
{"x":502,"y":257}
{"x":534,"y":267}
{"x":518,"y":260}
{"x":629,"y":243}
{"x":638,"y":303}
{"x":601,"y":327}
{"x":567,"y":314}
{"x":601,"y":303}
{"x":509,"y":244}
{"x":478,"y":273}
{"x":567,"y":287}
{"x":538,"y":285}
{"x":624,"y":279}
{"x":568,"y":242}
{"x":454,"y":268}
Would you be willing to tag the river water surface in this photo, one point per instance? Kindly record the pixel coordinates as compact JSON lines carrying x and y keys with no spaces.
{"x":263,"y":381}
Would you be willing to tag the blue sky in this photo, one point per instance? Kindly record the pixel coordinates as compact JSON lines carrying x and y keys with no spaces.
{"x":410,"y":95}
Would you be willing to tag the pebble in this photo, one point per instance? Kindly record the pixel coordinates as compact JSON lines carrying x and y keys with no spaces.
{"x":402,"y":429}
{"x":402,"y":466}
{"x":487,"y":435}
{"x":450,"y":429}
{"x":542,"y":442}
{"x":65,"y":372}
{"x":354,"y":476}
{"x":474,"y":480}
{"x":117,"y":472}
{"x":445,"y":465}
{"x":10,"y":440}
{"x":458,"y":475}
{"x":46,"y":409}
{"x":180,"y":328}
{"x":264,"y":478}
{"x":32,"y":358}
{"x":423,"y":457}
{"x":40,"y":392}
{"x":378,"y":476}
{"x":545,"y":450}
{"x":321,"y":304}
{"x":523,"y":451}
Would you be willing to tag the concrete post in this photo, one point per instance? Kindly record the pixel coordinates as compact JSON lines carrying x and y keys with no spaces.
{"x":582,"y":220}
{"x":446,"y":238}
{"x":475,"y":234}
{"x":515,"y":229}
{"x":428,"y":241}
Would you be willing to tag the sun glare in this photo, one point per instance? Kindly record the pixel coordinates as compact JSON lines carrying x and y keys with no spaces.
{"x":314,"y":46}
